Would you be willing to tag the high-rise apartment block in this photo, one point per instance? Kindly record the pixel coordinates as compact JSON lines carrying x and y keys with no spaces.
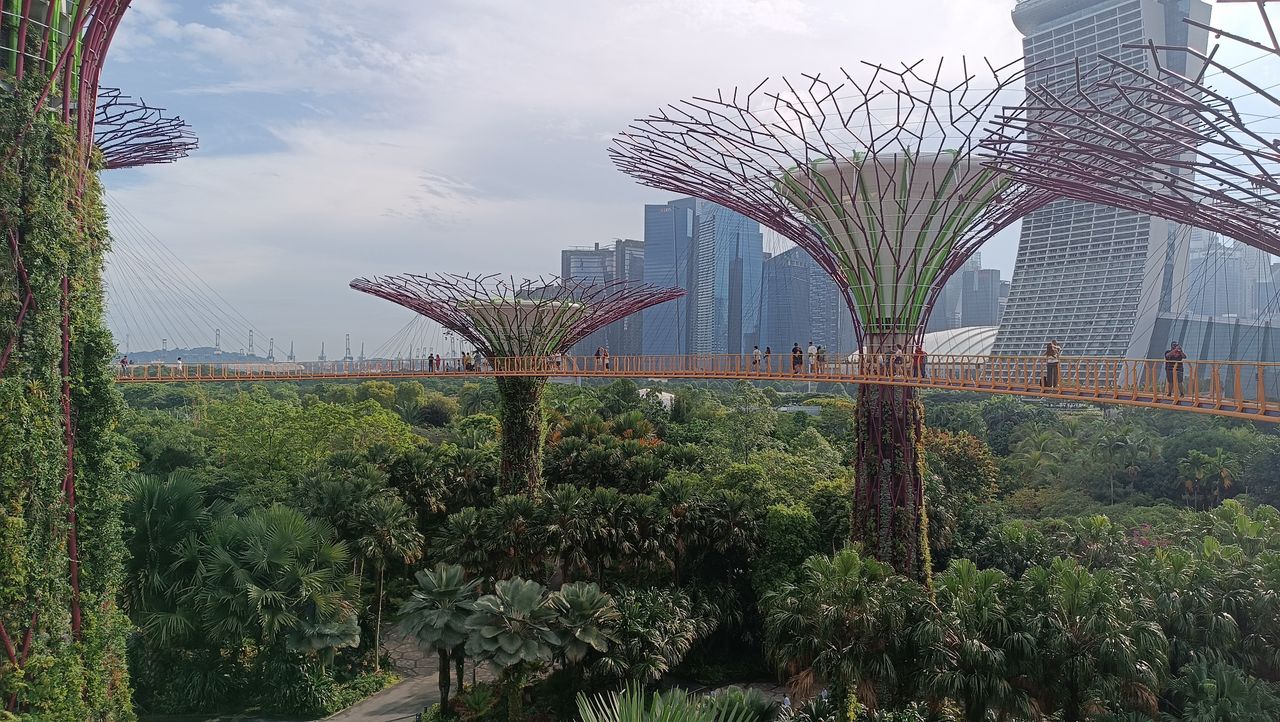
{"x":1093,"y":277}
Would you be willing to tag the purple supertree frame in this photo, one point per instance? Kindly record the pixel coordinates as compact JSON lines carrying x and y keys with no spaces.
{"x":56,"y":51}
{"x":1151,"y":140}
{"x":877,"y":179}
{"x":131,"y":133}
{"x":508,"y":319}
{"x":518,"y":325}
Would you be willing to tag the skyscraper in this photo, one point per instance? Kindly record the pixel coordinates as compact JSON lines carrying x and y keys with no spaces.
{"x":594,"y":265}
{"x":713,"y":253}
{"x":626,"y":336}
{"x":727,"y":252}
{"x":980,"y":297}
{"x":668,"y":245}
{"x":800,"y":303}
{"x":1095,"y":277}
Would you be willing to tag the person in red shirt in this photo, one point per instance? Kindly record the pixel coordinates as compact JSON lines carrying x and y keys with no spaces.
{"x":918,"y":360}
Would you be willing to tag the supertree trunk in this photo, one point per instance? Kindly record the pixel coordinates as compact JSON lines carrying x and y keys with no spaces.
{"x":889,"y":516}
{"x":523,"y":433}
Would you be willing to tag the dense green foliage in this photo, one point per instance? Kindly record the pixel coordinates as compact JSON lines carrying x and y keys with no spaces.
{"x":708,"y":542}
{"x":52,"y":209}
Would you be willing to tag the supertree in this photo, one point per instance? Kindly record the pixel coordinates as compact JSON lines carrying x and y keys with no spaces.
{"x":518,"y":326}
{"x":129,"y":133}
{"x":1149,"y":138}
{"x":876,"y":178}
{"x":61,"y":633}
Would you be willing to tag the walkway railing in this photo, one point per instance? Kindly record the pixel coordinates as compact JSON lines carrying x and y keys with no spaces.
{"x":1227,"y":388}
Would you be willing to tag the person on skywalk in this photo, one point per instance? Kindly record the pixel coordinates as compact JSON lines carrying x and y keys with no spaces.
{"x":1052,"y":354}
{"x":1173,"y":371}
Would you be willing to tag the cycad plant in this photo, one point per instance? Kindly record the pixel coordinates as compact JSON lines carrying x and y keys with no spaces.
{"x":514,"y":629}
{"x":436,"y":614}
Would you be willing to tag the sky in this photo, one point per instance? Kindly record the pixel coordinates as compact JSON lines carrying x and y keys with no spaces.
{"x":344,"y":138}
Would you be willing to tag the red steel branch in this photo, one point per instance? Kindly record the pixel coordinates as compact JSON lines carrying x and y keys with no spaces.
{"x":1151,"y":140}
{"x":532,"y":317}
{"x":131,"y":133}
{"x":741,"y":149}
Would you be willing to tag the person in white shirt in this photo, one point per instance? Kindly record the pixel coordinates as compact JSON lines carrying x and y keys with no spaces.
{"x":755,"y":359}
{"x":813,"y":357}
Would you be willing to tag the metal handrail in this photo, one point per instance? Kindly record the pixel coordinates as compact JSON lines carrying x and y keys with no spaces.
{"x":1206,"y":386}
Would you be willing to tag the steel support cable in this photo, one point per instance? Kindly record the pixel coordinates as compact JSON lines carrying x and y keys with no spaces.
{"x":175,"y":260}
{"x":187,"y":300}
{"x":169,"y":297}
{"x":156,"y":254}
{"x":138,"y":284}
{"x":144,"y":280}
{"x":169,"y":294}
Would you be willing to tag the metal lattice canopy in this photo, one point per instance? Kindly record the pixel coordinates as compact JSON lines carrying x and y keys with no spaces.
{"x":875,"y":176}
{"x":1146,"y":138}
{"x":504,"y":318}
{"x":131,"y":133}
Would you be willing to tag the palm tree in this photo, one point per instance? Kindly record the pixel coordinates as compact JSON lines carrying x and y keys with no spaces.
{"x":464,"y":538}
{"x":1207,"y":474}
{"x":1092,"y":652}
{"x":271,"y":572}
{"x":391,"y":532}
{"x":165,"y":517}
{"x":436,"y":614}
{"x":978,"y":652}
{"x":569,"y":528}
{"x":654,"y":631}
{"x":513,"y":629}
{"x":1209,"y":692}
{"x":838,"y":625}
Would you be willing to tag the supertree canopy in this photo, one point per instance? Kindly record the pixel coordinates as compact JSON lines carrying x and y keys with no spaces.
{"x":131,"y":133}
{"x":1150,"y":138}
{"x":518,"y":325}
{"x":877,"y":178}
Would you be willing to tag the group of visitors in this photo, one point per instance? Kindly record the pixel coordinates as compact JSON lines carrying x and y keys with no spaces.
{"x":602,"y":358}
{"x":1173,"y":366}
{"x":434,"y":363}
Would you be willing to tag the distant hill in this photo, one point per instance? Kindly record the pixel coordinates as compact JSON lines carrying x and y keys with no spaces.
{"x":202,"y":354}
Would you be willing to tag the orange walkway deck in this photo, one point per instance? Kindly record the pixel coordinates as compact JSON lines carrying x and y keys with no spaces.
{"x":1222,"y":388}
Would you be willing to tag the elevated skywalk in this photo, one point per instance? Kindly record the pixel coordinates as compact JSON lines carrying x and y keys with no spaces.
{"x":1222,"y":388}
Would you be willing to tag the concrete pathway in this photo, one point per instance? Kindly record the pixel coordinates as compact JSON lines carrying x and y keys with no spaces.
{"x":402,"y":702}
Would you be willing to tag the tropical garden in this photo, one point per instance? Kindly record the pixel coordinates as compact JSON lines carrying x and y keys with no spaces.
{"x":1086,"y":566}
